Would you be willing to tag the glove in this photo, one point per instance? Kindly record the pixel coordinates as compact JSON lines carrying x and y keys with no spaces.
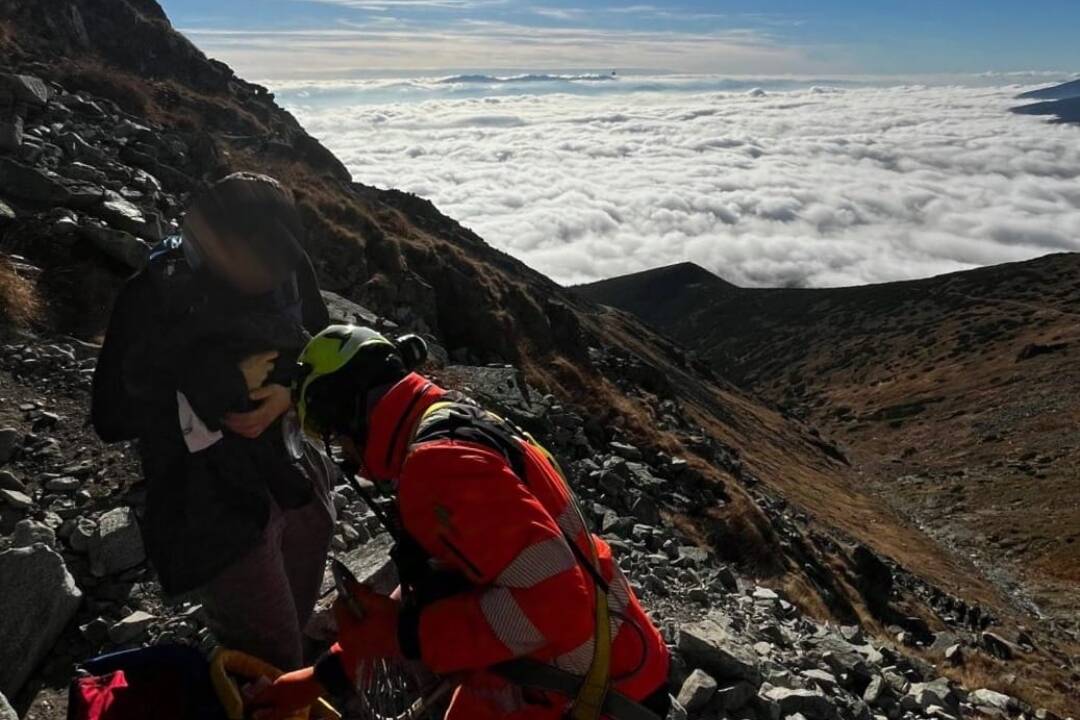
{"x":256,"y":368}
{"x":287,"y":695}
{"x":375,"y":635}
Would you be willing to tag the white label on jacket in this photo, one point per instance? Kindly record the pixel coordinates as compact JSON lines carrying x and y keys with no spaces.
{"x":197,"y":436}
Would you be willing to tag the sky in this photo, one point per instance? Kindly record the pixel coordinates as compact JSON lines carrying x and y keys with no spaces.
{"x":798,"y":143}
{"x":355,"y":38}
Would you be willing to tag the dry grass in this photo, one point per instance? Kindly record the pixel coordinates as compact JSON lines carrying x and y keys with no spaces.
{"x":20,"y":303}
{"x":128,"y":92}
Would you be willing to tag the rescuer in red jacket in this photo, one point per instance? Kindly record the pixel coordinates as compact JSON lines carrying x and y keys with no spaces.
{"x":502,"y":584}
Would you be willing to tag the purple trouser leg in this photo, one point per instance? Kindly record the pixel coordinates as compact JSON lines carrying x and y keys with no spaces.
{"x":260,"y":604}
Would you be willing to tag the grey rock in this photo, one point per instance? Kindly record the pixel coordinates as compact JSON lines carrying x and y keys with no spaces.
{"x":7,"y":213}
{"x":23,"y":89}
{"x":697,"y":691}
{"x":122,"y":214}
{"x":765,"y":596}
{"x":82,"y":535}
{"x":711,"y":646}
{"x":852,"y":634}
{"x":63,"y":484}
{"x":117,"y":545}
{"x":645,"y":510}
{"x":627,"y":452}
{"x":8,"y":481}
{"x":11,"y":134}
{"x":922,"y":696}
{"x":133,"y":628}
{"x":29,"y":183}
{"x":954,"y":654}
{"x":844,"y":657}
{"x":811,"y":704}
{"x":942,"y":642}
{"x":6,"y":711}
{"x":691,"y":556}
{"x":998,"y":646}
{"x":38,"y":601}
{"x":117,"y":244}
{"x":734,"y":697}
{"x":27,"y":532}
{"x":992,"y":699}
{"x":820,"y":678}
{"x":16,"y":499}
{"x":875,"y":690}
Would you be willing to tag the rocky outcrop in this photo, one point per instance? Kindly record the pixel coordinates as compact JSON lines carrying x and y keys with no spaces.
{"x":39,"y":599}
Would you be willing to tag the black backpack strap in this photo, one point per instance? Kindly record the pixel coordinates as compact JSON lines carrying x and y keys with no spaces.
{"x":457,"y":420}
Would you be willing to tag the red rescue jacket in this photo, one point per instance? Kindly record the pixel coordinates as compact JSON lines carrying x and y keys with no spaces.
{"x":528,"y":595}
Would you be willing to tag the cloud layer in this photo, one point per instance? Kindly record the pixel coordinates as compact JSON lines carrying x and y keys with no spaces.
{"x":815,"y":187}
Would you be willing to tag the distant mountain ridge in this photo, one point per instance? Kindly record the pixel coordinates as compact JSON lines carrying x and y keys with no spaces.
{"x":1055,"y":92}
{"x":1062,"y":101}
{"x":953,"y":395}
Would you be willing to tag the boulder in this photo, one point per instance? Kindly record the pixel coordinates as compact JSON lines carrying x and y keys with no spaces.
{"x":994,"y":700}
{"x":117,"y":545}
{"x":811,"y":704}
{"x":734,"y":697}
{"x":8,"y":481}
{"x":710,"y":645}
{"x":29,"y":183}
{"x":844,"y":657}
{"x":625,"y":451}
{"x":697,"y":691}
{"x":126,"y":216}
{"x":820,"y":678}
{"x":22,"y":90}
{"x":942,"y":642}
{"x":9,"y":441}
{"x":82,"y":535}
{"x":874,"y":691}
{"x":39,"y":598}
{"x":27,"y":532}
{"x":15,"y":499}
{"x":923,"y":696}
{"x":6,"y":711}
{"x":11,"y":133}
{"x":998,"y":646}
{"x":117,"y":244}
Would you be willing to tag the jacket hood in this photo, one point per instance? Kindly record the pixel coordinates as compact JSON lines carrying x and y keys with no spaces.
{"x":392,"y":422}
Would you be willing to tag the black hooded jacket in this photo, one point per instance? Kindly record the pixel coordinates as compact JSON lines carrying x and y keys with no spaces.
{"x":173,"y":332}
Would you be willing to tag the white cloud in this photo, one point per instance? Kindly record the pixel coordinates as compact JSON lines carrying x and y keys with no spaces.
{"x":351,"y":48}
{"x":806,"y":187}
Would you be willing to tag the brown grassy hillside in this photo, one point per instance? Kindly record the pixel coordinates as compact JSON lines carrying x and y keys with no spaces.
{"x":793,"y":509}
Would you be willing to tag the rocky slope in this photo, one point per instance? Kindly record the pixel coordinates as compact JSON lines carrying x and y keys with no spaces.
{"x":109,"y":119}
{"x":950,"y":396}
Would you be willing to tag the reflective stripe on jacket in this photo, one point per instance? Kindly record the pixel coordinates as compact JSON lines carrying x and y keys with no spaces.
{"x":465,"y":506}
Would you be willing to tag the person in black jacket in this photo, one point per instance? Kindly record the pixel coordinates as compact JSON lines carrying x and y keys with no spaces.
{"x":196,"y":365}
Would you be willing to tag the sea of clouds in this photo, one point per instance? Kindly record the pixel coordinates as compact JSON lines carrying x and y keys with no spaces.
{"x":767,"y":186}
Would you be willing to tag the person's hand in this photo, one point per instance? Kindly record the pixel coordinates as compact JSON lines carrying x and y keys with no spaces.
{"x":256,"y":368}
{"x":288,"y":694}
{"x":274,"y":401}
{"x":375,"y":634}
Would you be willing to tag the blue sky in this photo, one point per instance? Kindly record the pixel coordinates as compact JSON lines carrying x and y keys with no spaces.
{"x":341,"y":38}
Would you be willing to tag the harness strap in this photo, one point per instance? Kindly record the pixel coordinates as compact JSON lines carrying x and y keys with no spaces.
{"x":537,"y":675}
{"x":461,"y":421}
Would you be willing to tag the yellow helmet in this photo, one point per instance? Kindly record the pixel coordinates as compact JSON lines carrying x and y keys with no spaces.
{"x":337,"y":369}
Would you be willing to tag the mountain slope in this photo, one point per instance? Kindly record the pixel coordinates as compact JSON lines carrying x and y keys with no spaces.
{"x":775,"y":497}
{"x":1062,"y":101}
{"x":1063,"y":91}
{"x":952,"y":395}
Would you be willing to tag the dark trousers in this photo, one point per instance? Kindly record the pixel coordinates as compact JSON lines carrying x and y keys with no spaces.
{"x":261,"y":603}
